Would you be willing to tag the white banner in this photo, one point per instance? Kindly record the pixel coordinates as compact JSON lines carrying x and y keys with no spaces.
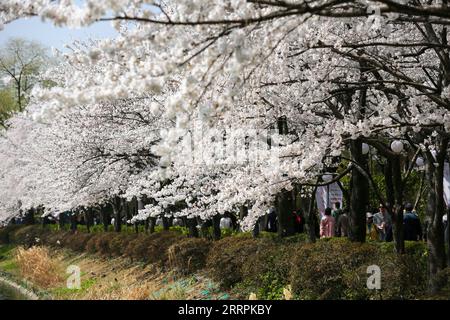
{"x":327,"y":196}
{"x":447,"y":183}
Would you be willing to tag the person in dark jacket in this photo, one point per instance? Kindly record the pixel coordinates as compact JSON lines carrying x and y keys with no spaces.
{"x":411,"y":224}
{"x":272,"y":221}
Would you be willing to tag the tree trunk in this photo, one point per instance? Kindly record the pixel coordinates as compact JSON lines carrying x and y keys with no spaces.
{"x":61,"y":221}
{"x":89,"y":219}
{"x":73,"y":222}
{"x":166,"y":223}
{"x":192,"y":225}
{"x":29,"y":217}
{"x":152,"y":222}
{"x":255,"y":230}
{"x":117,"y":214}
{"x":447,"y":230}
{"x":216,"y":227}
{"x":284,"y":213}
{"x":359,"y":196}
{"x":106,"y":217}
{"x":435,"y":210}
{"x":397,"y":209}
{"x":311,"y":217}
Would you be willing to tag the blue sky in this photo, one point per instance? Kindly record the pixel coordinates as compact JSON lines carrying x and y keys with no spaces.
{"x":51,"y":36}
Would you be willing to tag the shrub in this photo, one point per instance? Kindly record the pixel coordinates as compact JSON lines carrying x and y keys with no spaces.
{"x":322,"y":270}
{"x":78,"y":241}
{"x":36,"y":265}
{"x":227,"y":256}
{"x":188,"y":255}
{"x":5,"y":233}
{"x":91,"y":245}
{"x":28,"y":235}
{"x":267,"y":272}
{"x":337,"y":269}
{"x":158,"y":245}
{"x":102,"y":243}
{"x":119,"y":243}
{"x":137,"y":248}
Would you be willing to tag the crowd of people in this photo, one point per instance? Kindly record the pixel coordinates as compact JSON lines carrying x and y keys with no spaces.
{"x":336,"y":223}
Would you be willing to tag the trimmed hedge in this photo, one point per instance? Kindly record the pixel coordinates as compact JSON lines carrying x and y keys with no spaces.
{"x":328,"y":269}
{"x":188,"y":255}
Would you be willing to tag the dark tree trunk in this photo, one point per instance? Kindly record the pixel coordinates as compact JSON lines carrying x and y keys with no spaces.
{"x":243,"y":211}
{"x":61,"y":221}
{"x":284,"y":212}
{"x":117,"y":214}
{"x":152,"y":222}
{"x":166,"y":223}
{"x":29,"y":217}
{"x":105,"y":212}
{"x":255,"y":230}
{"x":126,"y":209}
{"x":394,"y":200}
{"x":216,"y":227}
{"x":359,"y":196}
{"x":447,"y":231}
{"x":435,"y":211}
{"x":192,"y":226}
{"x":311,"y":217}
{"x":89,"y":219}
{"x":73,"y":222}
{"x":397,"y":209}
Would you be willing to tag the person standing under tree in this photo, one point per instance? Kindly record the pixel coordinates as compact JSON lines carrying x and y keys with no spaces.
{"x":411,"y":224}
{"x":327,"y":224}
{"x":380,"y":223}
{"x":343,"y":224}
{"x":336,"y":214}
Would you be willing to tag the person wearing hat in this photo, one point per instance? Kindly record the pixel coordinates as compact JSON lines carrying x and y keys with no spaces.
{"x":411,"y":224}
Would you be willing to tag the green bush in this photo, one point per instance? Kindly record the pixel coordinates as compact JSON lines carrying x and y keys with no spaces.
{"x":5,"y":233}
{"x":227,"y":256}
{"x":27,"y":235}
{"x":267,"y":272}
{"x":322,"y":270}
{"x":337,"y":269}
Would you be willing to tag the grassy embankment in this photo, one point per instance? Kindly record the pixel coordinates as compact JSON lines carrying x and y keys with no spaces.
{"x":169,"y":265}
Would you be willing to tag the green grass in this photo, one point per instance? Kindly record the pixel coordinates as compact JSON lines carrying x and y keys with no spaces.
{"x":6,"y":250}
{"x":62,"y":292}
{"x":7,"y":261}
